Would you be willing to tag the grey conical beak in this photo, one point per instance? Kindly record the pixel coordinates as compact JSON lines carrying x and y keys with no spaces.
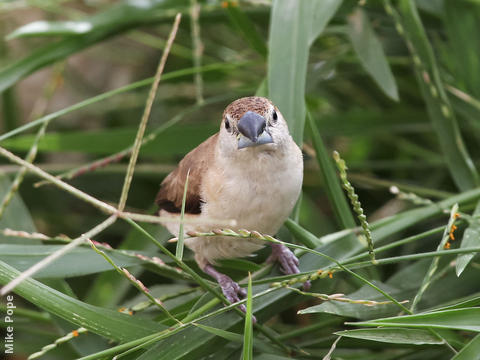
{"x":252,"y":127}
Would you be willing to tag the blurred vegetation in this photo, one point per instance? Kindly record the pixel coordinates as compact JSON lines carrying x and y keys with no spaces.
{"x":393,"y":86}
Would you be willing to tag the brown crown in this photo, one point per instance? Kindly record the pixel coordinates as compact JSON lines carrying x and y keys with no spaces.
{"x":257,"y":104}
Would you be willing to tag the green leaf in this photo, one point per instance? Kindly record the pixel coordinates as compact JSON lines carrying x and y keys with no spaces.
{"x":471,"y":351}
{"x":246,"y":28}
{"x":471,"y":237}
{"x":79,"y":261}
{"x":248,"y":331}
{"x":105,"y":322}
{"x":458,"y":319}
{"x":222,"y":333}
{"x":393,"y":336}
{"x":322,"y":14}
{"x":112,"y":22}
{"x":370,"y":53}
{"x":290,"y":29}
{"x":460,"y":164}
{"x":330,"y":179}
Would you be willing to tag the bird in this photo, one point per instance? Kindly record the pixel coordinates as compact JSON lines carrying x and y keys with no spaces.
{"x":250,"y":171}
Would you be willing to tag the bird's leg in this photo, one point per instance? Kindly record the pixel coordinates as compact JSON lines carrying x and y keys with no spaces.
{"x":230,"y":288}
{"x":288,"y":261}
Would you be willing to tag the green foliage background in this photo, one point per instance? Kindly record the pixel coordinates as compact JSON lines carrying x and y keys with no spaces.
{"x":393,"y":86}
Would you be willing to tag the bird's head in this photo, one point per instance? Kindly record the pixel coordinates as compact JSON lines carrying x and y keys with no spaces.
{"x":253,"y":123}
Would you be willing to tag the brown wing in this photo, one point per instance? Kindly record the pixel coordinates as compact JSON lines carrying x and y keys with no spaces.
{"x":170,"y":195}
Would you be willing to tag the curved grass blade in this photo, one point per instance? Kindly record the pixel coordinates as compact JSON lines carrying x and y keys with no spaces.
{"x":105,"y":322}
{"x":370,"y":53}
{"x":460,"y":164}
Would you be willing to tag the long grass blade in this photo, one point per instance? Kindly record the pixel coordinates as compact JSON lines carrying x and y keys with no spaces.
{"x":462,"y":169}
{"x":181,"y":234}
{"x":248,"y":331}
{"x":370,"y":52}
{"x":290,"y":29}
{"x":327,"y":170}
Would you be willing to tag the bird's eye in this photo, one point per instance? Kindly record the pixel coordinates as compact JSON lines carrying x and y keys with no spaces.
{"x":227,"y":124}
{"x":274,"y":116}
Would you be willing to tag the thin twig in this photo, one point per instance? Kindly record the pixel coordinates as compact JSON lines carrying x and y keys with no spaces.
{"x":146,"y":115}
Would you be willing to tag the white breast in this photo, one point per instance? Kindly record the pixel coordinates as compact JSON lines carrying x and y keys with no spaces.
{"x":258,"y":191}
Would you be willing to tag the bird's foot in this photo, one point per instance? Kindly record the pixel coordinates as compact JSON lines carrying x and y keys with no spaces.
{"x":288,"y":261}
{"x":230,"y":289}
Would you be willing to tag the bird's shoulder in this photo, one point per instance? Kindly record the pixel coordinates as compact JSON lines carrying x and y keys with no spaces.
{"x":197,"y":161}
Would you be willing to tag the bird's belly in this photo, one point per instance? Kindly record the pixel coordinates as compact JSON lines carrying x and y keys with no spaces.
{"x":208,"y":249}
{"x":260,"y":199}
{"x":260,"y":203}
